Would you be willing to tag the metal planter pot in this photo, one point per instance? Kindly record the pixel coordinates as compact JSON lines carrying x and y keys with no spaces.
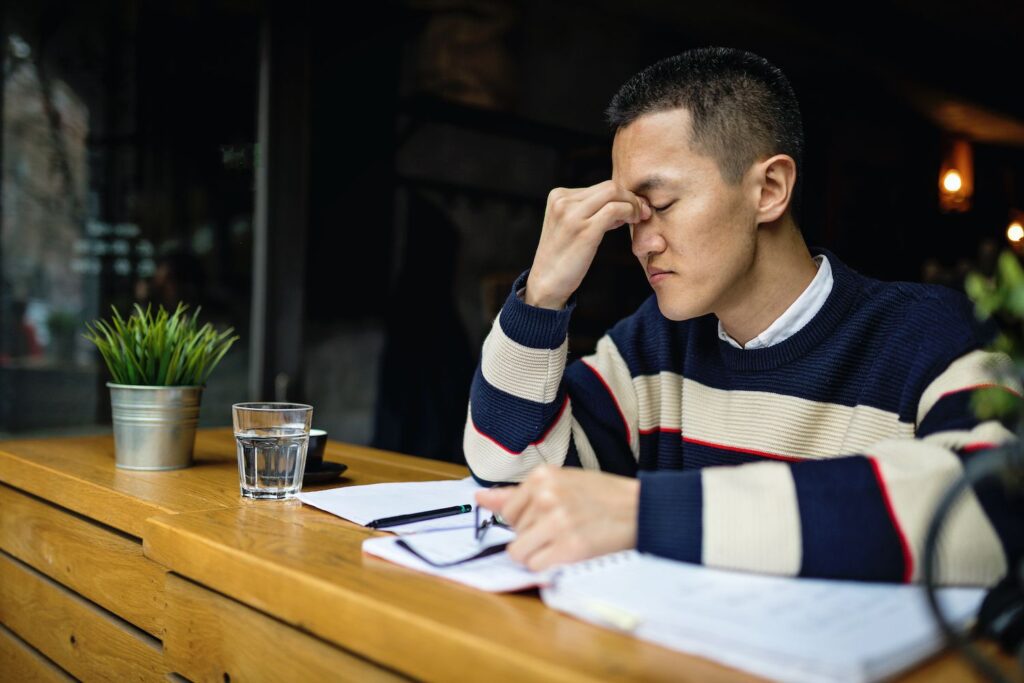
{"x":154,"y":427}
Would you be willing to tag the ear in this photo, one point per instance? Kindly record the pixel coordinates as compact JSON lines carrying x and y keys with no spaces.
{"x":776,"y":178}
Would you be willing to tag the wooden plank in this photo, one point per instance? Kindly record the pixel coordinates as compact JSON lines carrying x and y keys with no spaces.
{"x":23,"y":663}
{"x":102,"y":565}
{"x":306,"y":568}
{"x":213,"y":638}
{"x":78,"y":473}
{"x":81,"y":638}
{"x":951,"y":668}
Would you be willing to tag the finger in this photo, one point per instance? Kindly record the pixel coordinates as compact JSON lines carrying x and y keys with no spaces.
{"x":535,"y":488}
{"x":646,"y":210}
{"x":566,"y":192}
{"x":494,"y":499}
{"x":550,"y":555}
{"x":527,"y":517}
{"x":591,"y":202}
{"x":517,"y":505}
{"x":527,"y":544}
{"x":563,"y":199}
{"x":614,"y":215}
{"x":641,"y":208}
{"x":543,"y":501}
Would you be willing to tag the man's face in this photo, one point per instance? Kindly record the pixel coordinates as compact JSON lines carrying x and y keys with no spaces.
{"x":702,"y":232}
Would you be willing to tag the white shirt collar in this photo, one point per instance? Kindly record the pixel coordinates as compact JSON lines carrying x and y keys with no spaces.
{"x":799,"y":313}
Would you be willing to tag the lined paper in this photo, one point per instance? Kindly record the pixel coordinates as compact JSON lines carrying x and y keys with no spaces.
{"x":803,"y":630}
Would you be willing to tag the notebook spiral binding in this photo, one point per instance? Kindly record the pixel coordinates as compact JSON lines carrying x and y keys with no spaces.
{"x":599,"y":562}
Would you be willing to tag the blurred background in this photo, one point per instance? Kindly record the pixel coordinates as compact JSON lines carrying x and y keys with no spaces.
{"x":355,"y":188}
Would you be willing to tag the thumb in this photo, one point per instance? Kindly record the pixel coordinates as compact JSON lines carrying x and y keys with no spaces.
{"x":645,"y":209}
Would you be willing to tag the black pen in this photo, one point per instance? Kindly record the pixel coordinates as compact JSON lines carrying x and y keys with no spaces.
{"x":419,"y":516}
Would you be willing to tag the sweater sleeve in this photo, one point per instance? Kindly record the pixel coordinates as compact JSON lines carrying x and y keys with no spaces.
{"x":526,"y":408}
{"x":862,"y":516}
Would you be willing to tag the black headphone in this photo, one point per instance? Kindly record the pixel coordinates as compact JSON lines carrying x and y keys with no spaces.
{"x":1001,"y":616}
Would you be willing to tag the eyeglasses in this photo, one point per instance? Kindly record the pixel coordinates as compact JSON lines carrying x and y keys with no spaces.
{"x":481,"y":527}
{"x":480,"y":530}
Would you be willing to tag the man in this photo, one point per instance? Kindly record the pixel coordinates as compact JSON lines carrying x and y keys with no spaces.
{"x":767,"y":409}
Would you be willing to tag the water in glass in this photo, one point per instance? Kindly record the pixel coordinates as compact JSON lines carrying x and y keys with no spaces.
{"x":271,"y":461}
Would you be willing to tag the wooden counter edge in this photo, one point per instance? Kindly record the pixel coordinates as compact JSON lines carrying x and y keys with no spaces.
{"x":103,"y":504}
{"x":161,"y":538}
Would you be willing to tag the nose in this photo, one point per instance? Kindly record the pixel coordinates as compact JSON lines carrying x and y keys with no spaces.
{"x":647,"y":239}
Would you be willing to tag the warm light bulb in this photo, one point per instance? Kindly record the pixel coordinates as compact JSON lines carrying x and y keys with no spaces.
{"x":1015,"y":233}
{"x":952,"y":182}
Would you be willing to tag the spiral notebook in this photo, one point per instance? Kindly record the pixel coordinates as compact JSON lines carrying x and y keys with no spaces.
{"x":801,"y":630}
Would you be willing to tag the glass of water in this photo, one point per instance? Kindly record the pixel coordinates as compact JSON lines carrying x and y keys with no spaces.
{"x":271,"y":440}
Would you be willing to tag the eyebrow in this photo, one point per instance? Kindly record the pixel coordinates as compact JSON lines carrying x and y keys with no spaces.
{"x":652,"y":182}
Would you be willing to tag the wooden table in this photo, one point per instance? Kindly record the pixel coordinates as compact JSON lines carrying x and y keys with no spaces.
{"x":115,"y":575}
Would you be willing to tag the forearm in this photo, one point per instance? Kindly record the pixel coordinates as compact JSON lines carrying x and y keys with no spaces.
{"x":519,"y":414}
{"x":859,"y":517}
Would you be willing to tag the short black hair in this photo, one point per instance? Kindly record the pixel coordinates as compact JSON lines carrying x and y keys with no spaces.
{"x":741,"y":105}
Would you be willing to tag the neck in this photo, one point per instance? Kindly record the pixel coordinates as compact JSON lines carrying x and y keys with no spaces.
{"x":781,"y":270}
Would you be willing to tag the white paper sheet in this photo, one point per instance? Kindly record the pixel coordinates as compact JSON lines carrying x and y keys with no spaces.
{"x":799,"y":630}
{"x":363,"y":504}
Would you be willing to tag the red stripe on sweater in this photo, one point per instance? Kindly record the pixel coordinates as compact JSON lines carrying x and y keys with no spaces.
{"x":721,"y":447}
{"x":908,"y":558}
{"x":558,"y":417}
{"x":492,"y":439}
{"x":748,"y":451}
{"x":611,"y":393}
{"x":561,"y":412}
{"x":974,"y":387}
{"x":663,"y":430}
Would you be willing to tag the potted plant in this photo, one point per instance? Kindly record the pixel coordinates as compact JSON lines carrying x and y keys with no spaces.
{"x":159,"y":364}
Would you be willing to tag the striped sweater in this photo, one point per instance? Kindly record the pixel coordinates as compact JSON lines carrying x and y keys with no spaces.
{"x":823,"y":455}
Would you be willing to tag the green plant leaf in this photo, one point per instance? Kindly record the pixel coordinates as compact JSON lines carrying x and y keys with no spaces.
{"x":1009,"y":270}
{"x":994,"y":403}
{"x":159,"y":348}
{"x":1001,"y":297}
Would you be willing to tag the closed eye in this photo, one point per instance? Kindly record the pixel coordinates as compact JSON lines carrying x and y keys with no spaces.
{"x":659,"y":209}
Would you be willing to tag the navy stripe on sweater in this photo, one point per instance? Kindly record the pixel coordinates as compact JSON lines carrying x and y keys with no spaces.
{"x":538,"y":328}
{"x":671,"y":515}
{"x":600,"y":419}
{"x":668,"y":449}
{"x":852,"y":541}
{"x":513,"y":422}
{"x":950,"y":412}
